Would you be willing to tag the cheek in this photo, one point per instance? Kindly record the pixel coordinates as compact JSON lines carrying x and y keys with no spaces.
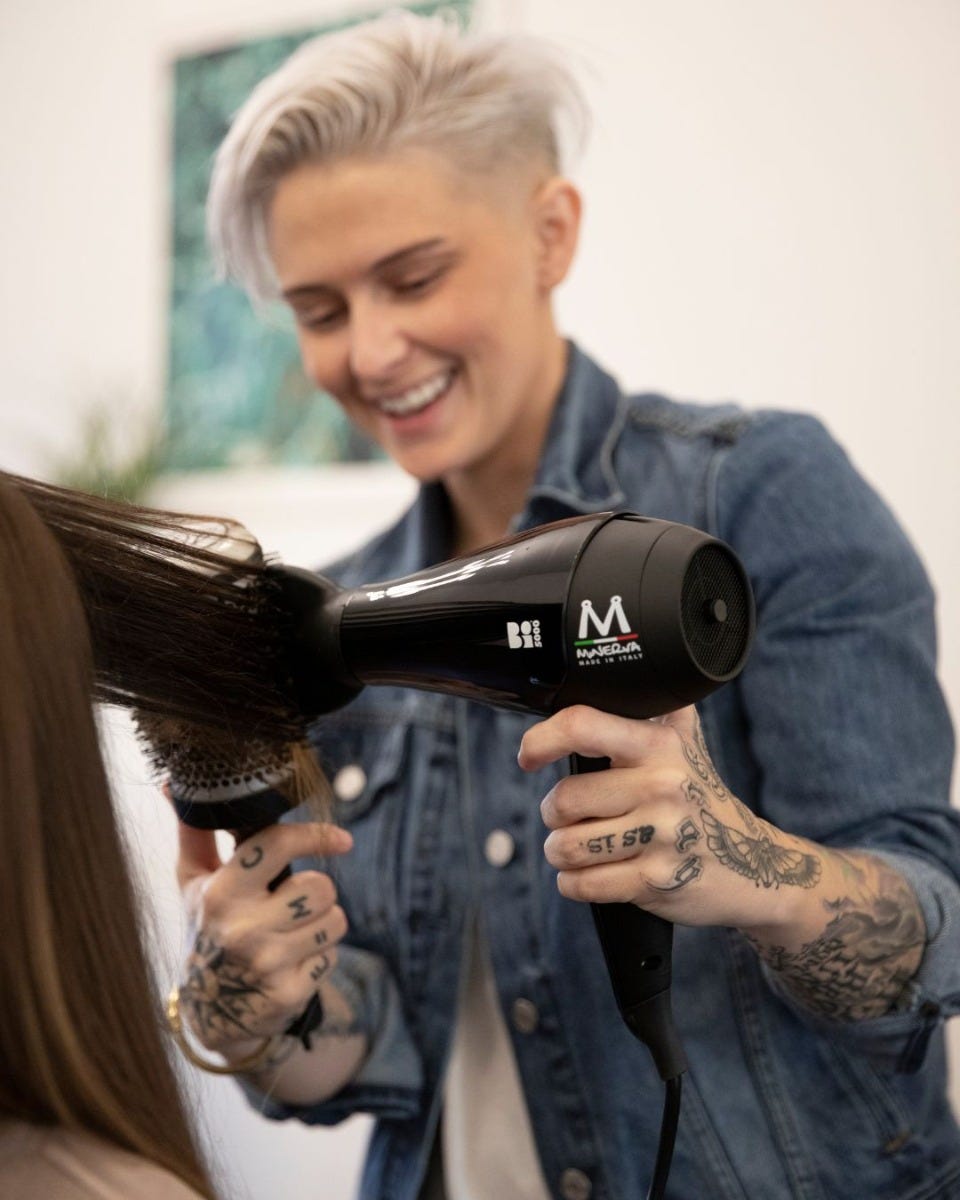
{"x":323,"y":364}
{"x":474,"y":323}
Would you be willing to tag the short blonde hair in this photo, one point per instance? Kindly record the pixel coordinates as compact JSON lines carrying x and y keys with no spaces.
{"x":489,"y":102}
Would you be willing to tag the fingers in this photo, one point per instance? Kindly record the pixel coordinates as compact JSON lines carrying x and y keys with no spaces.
{"x":594,"y":734}
{"x":262,"y":857}
{"x":587,"y":797}
{"x":270,"y":955}
{"x":300,"y":901}
{"x":611,"y":883}
{"x":237,"y":903}
{"x":593,"y":842}
{"x":629,"y":834}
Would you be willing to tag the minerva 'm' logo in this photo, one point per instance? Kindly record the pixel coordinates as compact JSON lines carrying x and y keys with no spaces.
{"x":606,"y":645}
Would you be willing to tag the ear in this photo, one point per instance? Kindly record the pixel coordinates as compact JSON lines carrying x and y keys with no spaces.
{"x":557,"y":207}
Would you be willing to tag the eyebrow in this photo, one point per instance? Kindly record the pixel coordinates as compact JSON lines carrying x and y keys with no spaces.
{"x":389,"y":260}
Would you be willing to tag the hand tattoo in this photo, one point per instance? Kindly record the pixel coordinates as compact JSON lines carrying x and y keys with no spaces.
{"x":698,"y":756}
{"x":759,"y":858}
{"x":219,"y":993}
{"x":690,"y":869}
{"x":687,"y":834}
{"x":694,"y":793}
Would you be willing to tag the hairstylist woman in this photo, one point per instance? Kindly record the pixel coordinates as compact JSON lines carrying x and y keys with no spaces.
{"x":400,"y":186}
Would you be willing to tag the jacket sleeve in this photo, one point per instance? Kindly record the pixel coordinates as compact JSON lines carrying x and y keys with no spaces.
{"x":848,"y":740}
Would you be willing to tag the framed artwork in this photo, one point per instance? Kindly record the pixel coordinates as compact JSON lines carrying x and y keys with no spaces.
{"x":236,"y":394}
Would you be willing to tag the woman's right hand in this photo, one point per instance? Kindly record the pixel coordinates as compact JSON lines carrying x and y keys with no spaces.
{"x":258,"y":956}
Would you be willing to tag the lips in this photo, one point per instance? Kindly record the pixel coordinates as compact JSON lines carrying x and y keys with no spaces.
{"x":415,"y":399}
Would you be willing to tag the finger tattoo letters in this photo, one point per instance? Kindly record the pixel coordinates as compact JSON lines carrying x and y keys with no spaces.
{"x":687,"y":834}
{"x":607,"y":842}
{"x":690,"y":869}
{"x":299,"y":907}
{"x":320,"y":969}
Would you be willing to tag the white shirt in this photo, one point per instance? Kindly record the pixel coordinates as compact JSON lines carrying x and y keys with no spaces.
{"x":488,"y":1147}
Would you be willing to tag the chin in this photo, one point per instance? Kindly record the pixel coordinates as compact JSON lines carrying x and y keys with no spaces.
{"x":424,"y":465}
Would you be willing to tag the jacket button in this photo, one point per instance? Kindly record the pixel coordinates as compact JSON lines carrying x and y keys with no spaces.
{"x":524,"y":1015}
{"x":574,"y":1185}
{"x":499,"y":848}
{"x":349,"y":782}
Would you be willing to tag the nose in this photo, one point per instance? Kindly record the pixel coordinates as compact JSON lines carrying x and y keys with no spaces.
{"x":377,"y":341}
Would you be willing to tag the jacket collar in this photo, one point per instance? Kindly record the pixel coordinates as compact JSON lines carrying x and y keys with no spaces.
{"x":576,"y":472}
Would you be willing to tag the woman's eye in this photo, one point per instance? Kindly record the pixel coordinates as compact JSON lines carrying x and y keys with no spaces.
{"x":319,"y":320}
{"x":419,"y":283}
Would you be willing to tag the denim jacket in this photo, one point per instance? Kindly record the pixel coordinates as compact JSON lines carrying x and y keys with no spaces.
{"x":835,"y":731}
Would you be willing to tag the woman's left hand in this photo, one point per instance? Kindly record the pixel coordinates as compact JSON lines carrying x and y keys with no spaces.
{"x":660,"y":829}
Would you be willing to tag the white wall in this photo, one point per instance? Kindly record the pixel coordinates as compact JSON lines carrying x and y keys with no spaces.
{"x":772,"y":196}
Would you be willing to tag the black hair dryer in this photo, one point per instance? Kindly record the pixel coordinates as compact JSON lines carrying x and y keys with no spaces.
{"x":628,"y":614}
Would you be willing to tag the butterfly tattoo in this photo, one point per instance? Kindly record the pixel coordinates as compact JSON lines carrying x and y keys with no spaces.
{"x":758,"y":858}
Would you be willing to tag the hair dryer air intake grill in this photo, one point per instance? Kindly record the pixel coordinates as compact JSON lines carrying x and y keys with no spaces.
{"x":713,"y":579}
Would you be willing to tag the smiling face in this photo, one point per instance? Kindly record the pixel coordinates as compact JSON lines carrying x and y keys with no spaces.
{"x":422,"y":301}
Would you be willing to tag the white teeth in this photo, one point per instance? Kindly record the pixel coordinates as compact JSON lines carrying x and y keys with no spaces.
{"x":417,"y":397}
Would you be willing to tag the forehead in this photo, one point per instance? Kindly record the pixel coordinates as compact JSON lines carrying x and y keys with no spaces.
{"x":330,"y":222}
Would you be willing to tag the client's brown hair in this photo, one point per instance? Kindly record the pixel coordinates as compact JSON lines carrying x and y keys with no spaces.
{"x":188,"y":635}
{"x":80,"y":1019}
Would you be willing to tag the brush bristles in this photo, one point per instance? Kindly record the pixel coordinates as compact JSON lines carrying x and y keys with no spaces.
{"x":216,"y":766}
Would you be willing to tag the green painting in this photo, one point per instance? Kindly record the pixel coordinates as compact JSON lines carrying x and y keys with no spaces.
{"x":236,"y":394}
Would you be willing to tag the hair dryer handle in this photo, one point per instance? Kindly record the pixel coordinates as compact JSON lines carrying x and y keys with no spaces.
{"x":638,"y":950}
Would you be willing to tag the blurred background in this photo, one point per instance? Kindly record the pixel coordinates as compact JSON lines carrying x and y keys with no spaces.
{"x":772,"y":192}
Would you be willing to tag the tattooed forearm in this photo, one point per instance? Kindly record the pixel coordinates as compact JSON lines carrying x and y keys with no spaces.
{"x":868,"y":952}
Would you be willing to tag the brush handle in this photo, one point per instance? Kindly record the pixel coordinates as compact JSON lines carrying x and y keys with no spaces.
{"x":638,"y":950}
